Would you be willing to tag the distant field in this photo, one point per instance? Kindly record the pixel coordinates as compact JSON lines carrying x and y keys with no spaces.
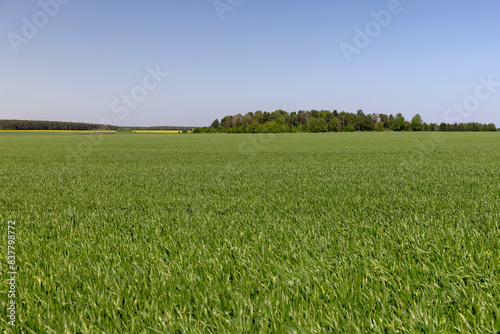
{"x":158,"y":131}
{"x":54,"y":131}
{"x":333,"y":232}
{"x":91,"y":131}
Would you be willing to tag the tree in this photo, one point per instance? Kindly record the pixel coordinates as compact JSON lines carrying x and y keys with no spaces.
{"x":246,"y":121}
{"x":350,"y":119}
{"x":335,"y":124}
{"x":317,"y":125}
{"x":237,"y":119}
{"x":291,"y":120}
{"x":350,"y":128}
{"x":266,"y":117}
{"x":301,"y":117}
{"x":325,"y":114}
{"x":398,"y":124}
{"x":227,"y":122}
{"x":282,"y":121}
{"x":416,"y":123}
{"x":278,"y":113}
{"x":385,"y":119}
{"x":258,"y":117}
{"x":367,"y":123}
{"x":361,"y":120}
{"x":390,"y":121}
{"x":491,"y":127}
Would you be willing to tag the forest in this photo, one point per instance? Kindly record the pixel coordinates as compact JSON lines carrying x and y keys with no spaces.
{"x":330,"y":121}
{"x":11,"y":124}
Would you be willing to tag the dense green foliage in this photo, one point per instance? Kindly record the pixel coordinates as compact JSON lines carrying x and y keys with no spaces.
{"x":336,"y":232}
{"x":14,"y":124}
{"x":327,"y":121}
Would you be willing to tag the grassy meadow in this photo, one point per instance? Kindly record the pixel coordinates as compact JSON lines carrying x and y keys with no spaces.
{"x":299,"y":233}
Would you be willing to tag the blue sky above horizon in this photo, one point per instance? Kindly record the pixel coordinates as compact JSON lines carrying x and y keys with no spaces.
{"x":263,"y":55}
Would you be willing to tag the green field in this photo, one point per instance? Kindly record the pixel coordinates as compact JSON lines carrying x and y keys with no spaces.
{"x":334,"y":232}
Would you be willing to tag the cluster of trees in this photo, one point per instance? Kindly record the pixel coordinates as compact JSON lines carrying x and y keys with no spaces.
{"x":276,"y":121}
{"x":330,"y":121}
{"x":10,"y":124}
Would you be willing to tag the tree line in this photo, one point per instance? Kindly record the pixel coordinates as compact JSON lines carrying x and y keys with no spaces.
{"x":12,"y":124}
{"x":330,"y":121}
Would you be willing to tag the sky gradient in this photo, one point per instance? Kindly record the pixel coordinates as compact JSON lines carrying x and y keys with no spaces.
{"x":106,"y":61}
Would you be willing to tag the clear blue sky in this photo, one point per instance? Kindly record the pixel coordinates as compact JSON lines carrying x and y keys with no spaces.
{"x":263,"y":55}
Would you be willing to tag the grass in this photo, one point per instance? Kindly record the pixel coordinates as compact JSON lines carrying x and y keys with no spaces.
{"x":349,"y":232}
